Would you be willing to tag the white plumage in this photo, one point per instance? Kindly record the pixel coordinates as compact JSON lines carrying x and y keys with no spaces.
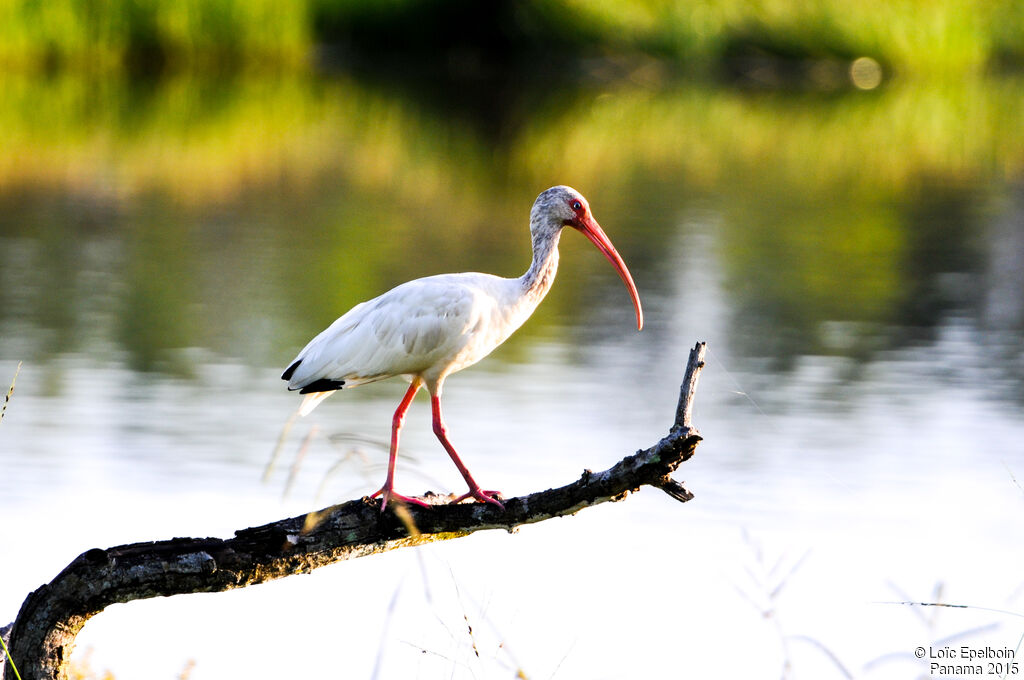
{"x":429,"y":328}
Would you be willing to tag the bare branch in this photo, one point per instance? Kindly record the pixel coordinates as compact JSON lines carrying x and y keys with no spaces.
{"x":684,"y":410}
{"x":43,"y":634}
{"x":7,"y":399}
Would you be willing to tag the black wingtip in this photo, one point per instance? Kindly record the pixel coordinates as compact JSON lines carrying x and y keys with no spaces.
{"x":288,"y":372}
{"x":322,"y":385}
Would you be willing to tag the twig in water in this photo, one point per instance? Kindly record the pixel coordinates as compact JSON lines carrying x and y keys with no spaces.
{"x":382,"y":645}
{"x":465,"y":616}
{"x":1008,"y":471}
{"x":351,"y":452}
{"x":743,"y":393}
{"x":562,"y":660}
{"x":186,"y":672}
{"x":956,"y":606}
{"x":918,"y":607}
{"x":771,"y":580}
{"x":508,"y":663}
{"x":7,"y":653}
{"x":276,"y":453}
{"x":424,"y":650}
{"x":293,"y":473}
{"x":7,"y":399}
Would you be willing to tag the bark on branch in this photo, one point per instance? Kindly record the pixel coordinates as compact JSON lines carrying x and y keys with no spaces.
{"x":42,"y":636}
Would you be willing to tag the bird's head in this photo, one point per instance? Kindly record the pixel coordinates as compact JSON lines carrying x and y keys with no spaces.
{"x":563,"y":206}
{"x":558,"y":207}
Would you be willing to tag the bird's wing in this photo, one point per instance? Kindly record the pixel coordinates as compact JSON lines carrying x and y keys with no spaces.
{"x":411,"y":329}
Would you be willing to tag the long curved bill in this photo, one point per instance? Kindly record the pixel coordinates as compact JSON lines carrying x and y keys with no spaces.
{"x":592,"y":230}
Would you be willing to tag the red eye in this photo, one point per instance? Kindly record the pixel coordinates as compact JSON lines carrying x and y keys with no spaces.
{"x":576,"y":205}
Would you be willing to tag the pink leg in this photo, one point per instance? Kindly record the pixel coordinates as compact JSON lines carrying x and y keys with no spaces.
{"x":442,"y":434}
{"x":387,"y":492}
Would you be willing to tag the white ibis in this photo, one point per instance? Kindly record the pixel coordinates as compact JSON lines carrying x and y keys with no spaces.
{"x":429,"y":328}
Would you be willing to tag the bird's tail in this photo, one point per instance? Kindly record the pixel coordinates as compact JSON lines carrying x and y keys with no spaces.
{"x":312,"y":400}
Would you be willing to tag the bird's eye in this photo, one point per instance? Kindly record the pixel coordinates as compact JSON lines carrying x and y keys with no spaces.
{"x":576,"y":205}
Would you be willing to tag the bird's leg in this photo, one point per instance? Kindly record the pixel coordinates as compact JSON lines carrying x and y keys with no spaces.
{"x":387,"y":492}
{"x":442,"y":434}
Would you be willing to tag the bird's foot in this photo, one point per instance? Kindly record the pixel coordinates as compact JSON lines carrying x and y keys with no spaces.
{"x":387,"y":495}
{"x":481,"y":495}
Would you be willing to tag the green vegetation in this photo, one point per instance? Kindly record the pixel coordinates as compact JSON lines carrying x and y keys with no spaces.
{"x":83,"y":33}
{"x":6,"y":654}
{"x":954,"y":36}
{"x":206,"y":140}
{"x":936,"y":37}
{"x":368,"y":181}
{"x":341,"y":181}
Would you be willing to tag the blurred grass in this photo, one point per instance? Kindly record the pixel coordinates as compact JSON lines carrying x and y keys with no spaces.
{"x":917,"y":35}
{"x":953,"y":36}
{"x":364,"y":183}
{"x":204,"y":140}
{"x":103,"y":34}
{"x":331,"y":179}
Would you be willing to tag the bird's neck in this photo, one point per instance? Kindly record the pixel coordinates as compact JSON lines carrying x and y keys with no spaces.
{"x":538,"y":278}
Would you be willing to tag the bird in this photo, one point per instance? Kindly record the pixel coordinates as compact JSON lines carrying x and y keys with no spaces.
{"x":428,"y":328}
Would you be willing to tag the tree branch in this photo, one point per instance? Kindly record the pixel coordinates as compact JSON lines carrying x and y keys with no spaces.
{"x":42,"y":636}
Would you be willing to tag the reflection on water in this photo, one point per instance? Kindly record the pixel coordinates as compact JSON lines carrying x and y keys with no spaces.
{"x":853,"y":259}
{"x":194,"y":207}
{"x":162,"y":216}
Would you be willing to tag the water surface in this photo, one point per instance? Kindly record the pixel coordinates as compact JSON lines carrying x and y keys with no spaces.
{"x":852,"y":259}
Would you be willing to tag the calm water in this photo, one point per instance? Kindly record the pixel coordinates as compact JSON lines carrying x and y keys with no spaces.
{"x":853,"y":260}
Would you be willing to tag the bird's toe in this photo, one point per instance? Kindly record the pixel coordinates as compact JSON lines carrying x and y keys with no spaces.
{"x":482,"y":495}
{"x":388,"y":495}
